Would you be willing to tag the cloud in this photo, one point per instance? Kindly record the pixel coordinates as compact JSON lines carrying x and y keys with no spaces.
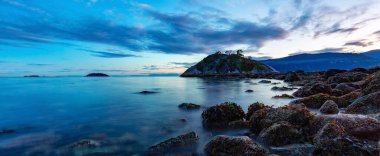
{"x":359,"y":43}
{"x":184,"y":64}
{"x":108,"y":54}
{"x":261,"y":58}
{"x":151,"y":67}
{"x":325,"y":50}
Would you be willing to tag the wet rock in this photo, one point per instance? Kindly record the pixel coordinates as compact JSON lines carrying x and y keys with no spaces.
{"x":238,"y":124}
{"x":189,"y":106}
{"x":332,"y":72}
{"x":369,"y":104}
{"x":347,"y":77}
{"x":239,"y":146}
{"x":293,"y":149}
{"x":345,"y":88}
{"x":85,"y":143}
{"x":283,"y":96}
{"x":329,"y":107}
{"x":370,"y":131}
{"x":296,"y":114}
{"x":292,"y":77}
{"x":255,"y":107}
{"x":220,"y":115}
{"x":282,"y":88}
{"x":359,"y":69}
{"x":265,"y":81}
{"x":281,"y":133}
{"x":332,"y":140}
{"x":249,"y":91}
{"x":315,"y":101}
{"x":275,"y":83}
{"x":176,"y":142}
{"x":347,"y":99}
{"x":371,"y":83}
{"x":312,"y":89}
{"x":148,"y":92}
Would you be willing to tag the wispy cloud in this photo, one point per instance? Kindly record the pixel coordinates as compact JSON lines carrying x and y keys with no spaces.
{"x":359,"y":43}
{"x":108,"y":54}
{"x":184,"y":64}
{"x":39,"y":64}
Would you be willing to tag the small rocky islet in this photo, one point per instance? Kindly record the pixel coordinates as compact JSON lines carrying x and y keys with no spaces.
{"x":346,"y":122}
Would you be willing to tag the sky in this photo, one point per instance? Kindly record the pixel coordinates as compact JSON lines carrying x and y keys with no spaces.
{"x":133,"y":37}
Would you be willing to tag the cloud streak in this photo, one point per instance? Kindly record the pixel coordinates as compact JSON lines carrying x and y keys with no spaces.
{"x":104,"y":54}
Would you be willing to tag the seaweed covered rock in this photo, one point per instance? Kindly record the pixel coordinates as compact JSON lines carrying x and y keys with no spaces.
{"x":189,"y":106}
{"x":311,"y":89}
{"x":329,"y":107}
{"x":292,"y":77}
{"x":239,"y":146}
{"x":371,"y":83}
{"x":347,"y":99}
{"x":369,"y":104}
{"x":332,"y":72}
{"x":255,"y":107}
{"x":333,"y":140}
{"x":345,"y":88}
{"x":283,"y":96}
{"x":283,"y":88}
{"x":221,"y":115}
{"x":281,"y":133}
{"x":315,"y":101}
{"x":347,"y":77}
{"x":296,"y":114}
{"x":177,"y":142}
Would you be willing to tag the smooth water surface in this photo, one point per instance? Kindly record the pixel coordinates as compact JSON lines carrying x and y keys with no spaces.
{"x":50,"y":113}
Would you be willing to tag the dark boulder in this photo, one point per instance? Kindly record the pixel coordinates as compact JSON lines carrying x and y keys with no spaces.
{"x":315,"y":101}
{"x":255,"y":107}
{"x":332,"y":140}
{"x":329,"y":107}
{"x":220,"y":115}
{"x":332,"y":72}
{"x":265,"y":81}
{"x":249,"y":91}
{"x":345,"y":88}
{"x":292,"y":77}
{"x":189,"y":106}
{"x":371,"y":83}
{"x":187,"y":139}
{"x":369,"y":104}
{"x":240,"y":146}
{"x":282,"y":88}
{"x":312,"y":89}
{"x":281,"y":133}
{"x":347,"y":77}
{"x":283,"y":96}
{"x":148,"y":92}
{"x":85,"y":143}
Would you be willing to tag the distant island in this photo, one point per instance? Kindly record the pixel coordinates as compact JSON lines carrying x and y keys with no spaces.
{"x":31,"y":76}
{"x":97,"y":75}
{"x":229,"y":63}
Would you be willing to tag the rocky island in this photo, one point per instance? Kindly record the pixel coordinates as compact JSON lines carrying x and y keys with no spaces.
{"x":97,"y":75}
{"x":228,"y":63}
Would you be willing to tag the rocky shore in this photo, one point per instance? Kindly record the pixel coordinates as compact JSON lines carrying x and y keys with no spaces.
{"x":344,"y":120}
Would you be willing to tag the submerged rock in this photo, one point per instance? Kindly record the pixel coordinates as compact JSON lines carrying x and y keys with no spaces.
{"x":282,"y":88}
{"x":265,"y":81}
{"x":281,"y":133}
{"x":329,"y":107}
{"x":189,"y":106}
{"x":249,"y":91}
{"x":369,"y":104}
{"x":239,"y":146}
{"x":179,"y":141}
{"x":148,"y":92}
{"x":97,"y":75}
{"x":283,"y":96}
{"x":220,"y":115}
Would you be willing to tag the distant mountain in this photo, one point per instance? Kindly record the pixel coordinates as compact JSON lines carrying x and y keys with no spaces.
{"x":220,"y":64}
{"x":373,"y":53}
{"x":325,"y":61}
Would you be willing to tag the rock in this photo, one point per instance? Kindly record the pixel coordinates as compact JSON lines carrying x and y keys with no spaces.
{"x":176,"y":142}
{"x":371,"y":83}
{"x":369,"y":104}
{"x":370,"y":131}
{"x":238,"y":124}
{"x":296,"y":114}
{"x":265,"y":81}
{"x":359,"y":69}
{"x":345,"y":88}
{"x":332,"y":72}
{"x":332,"y":140}
{"x":97,"y":75}
{"x":315,"y":101}
{"x":329,"y":107}
{"x":85,"y":143}
{"x":282,"y":88}
{"x":283,"y":96}
{"x":220,"y":64}
{"x":255,"y":107}
{"x":239,"y":146}
{"x":189,"y":106}
{"x":249,"y":91}
{"x":347,"y":77}
{"x":312,"y":89}
{"x":281,"y":133}
{"x":147,"y":92}
{"x":292,"y":77}
{"x":220,"y":115}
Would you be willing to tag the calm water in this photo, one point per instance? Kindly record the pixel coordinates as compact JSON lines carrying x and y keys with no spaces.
{"x":50,"y":113}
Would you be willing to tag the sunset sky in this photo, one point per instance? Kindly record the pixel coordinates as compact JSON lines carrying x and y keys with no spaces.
{"x":124,"y":37}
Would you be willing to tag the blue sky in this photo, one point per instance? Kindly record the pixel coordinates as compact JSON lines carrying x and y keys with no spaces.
{"x":75,"y":37}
